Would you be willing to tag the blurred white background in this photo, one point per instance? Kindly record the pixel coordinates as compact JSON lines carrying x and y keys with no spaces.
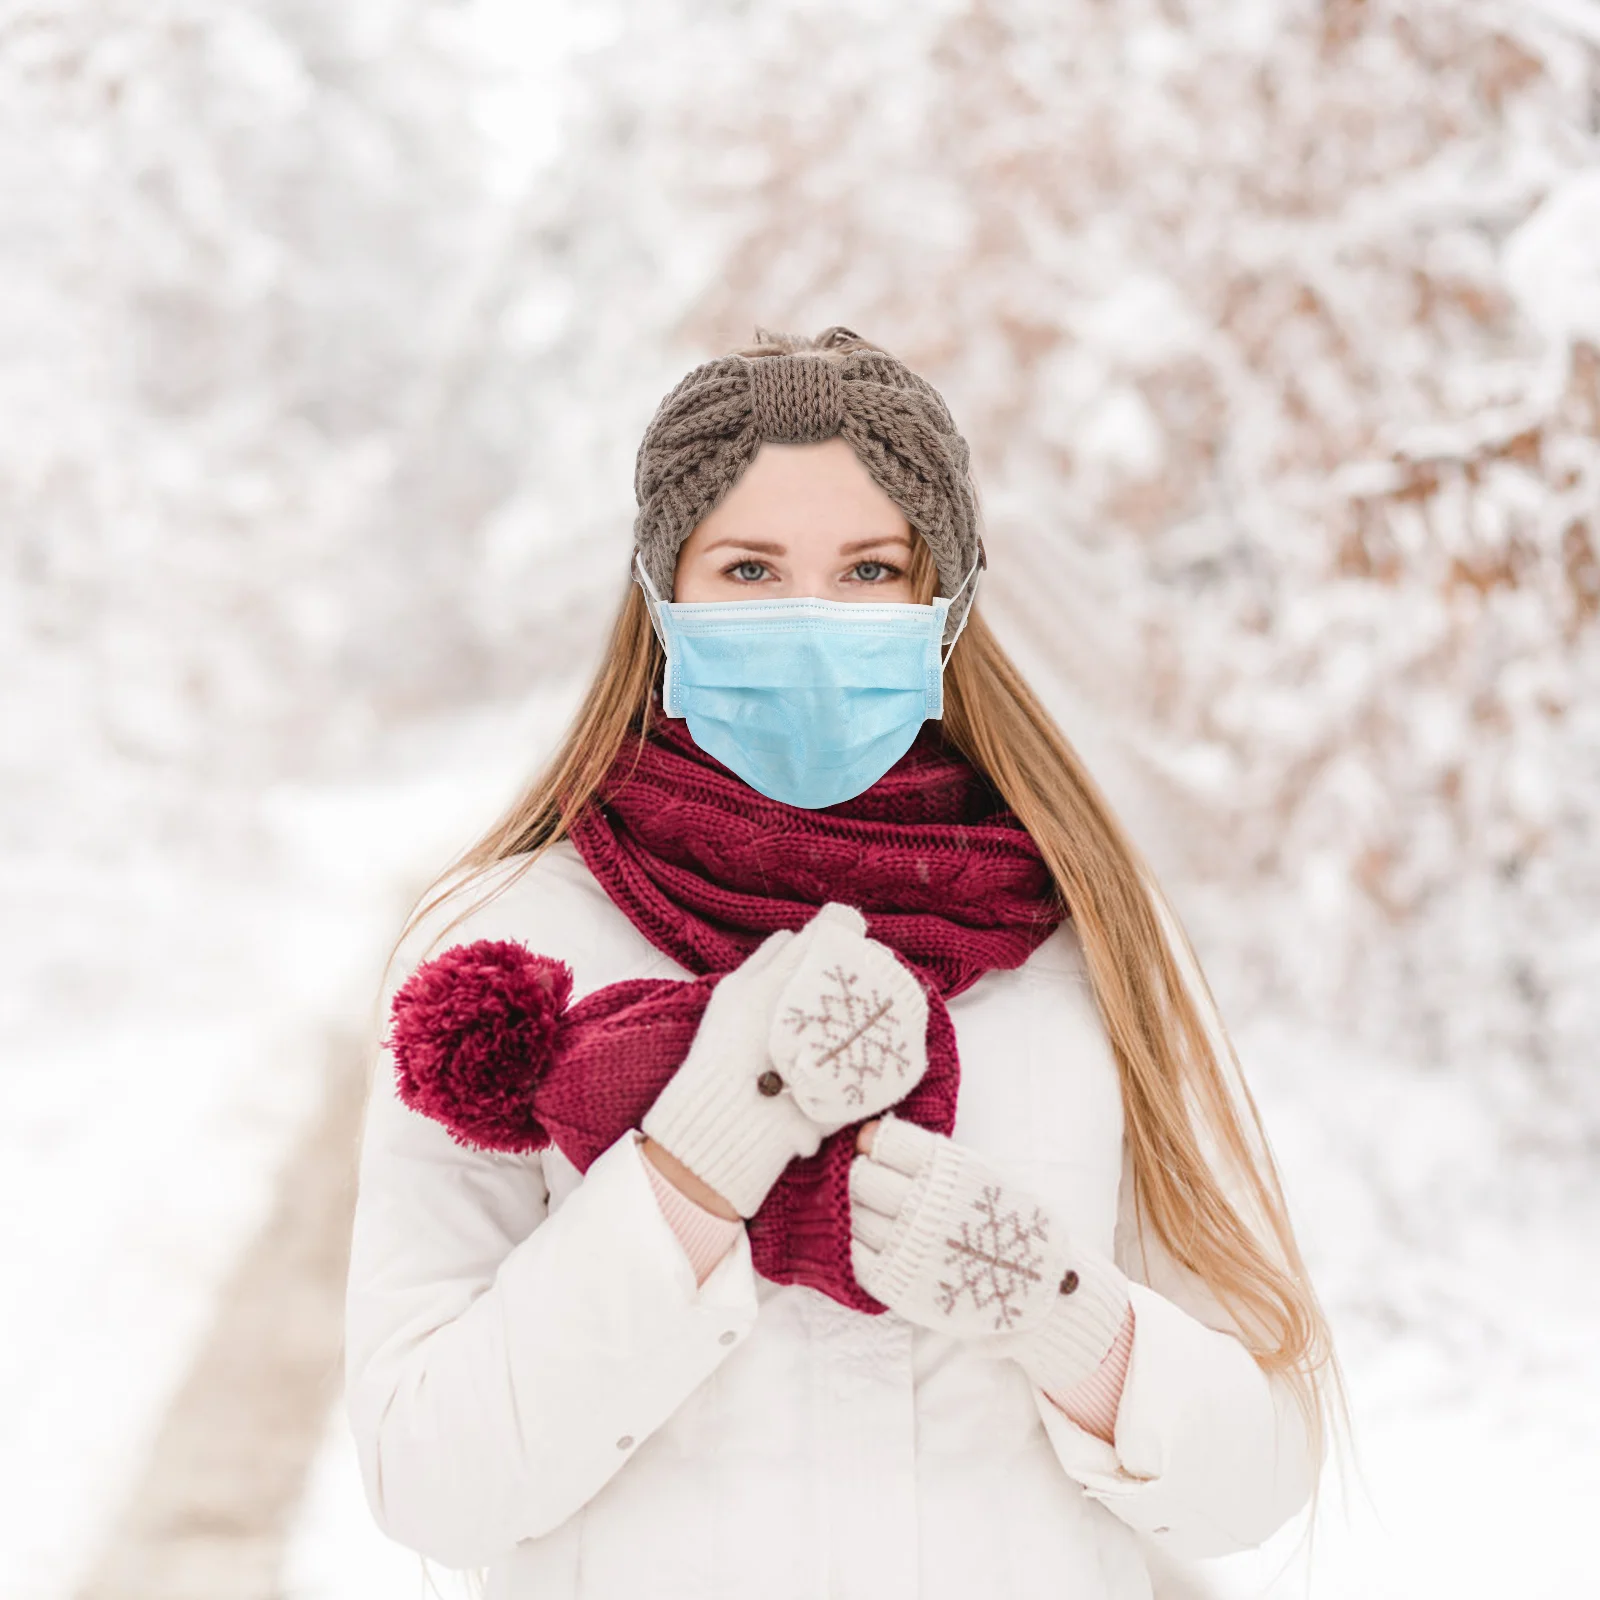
{"x":327,"y":336}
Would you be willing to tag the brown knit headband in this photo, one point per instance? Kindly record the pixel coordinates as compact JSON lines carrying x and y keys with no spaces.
{"x":709,"y":427}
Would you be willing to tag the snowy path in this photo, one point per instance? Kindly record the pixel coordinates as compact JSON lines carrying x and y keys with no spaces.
{"x":227,"y":1471}
{"x":167,"y":1043}
{"x":140,"y":1148}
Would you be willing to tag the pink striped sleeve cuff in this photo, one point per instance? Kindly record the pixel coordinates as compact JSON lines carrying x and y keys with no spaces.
{"x":1093,"y":1403}
{"x":706,"y":1238}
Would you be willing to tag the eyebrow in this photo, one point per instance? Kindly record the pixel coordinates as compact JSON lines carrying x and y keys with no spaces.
{"x":768,"y":547}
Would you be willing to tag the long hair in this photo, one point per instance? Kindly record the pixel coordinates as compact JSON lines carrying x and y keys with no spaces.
{"x":1204,"y":1178}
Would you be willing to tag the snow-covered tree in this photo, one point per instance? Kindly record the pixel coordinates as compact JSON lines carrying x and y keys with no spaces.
{"x":233,"y":246}
{"x":1276,"y":330}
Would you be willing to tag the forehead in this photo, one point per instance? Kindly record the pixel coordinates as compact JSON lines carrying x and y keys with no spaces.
{"x":797,"y":490}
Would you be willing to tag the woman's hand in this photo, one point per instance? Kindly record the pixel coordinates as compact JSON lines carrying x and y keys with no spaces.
{"x":812,"y":1031}
{"x":951,"y":1244}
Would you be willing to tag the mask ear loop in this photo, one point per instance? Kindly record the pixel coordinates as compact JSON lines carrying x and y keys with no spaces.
{"x":652,"y":601}
{"x":981,"y":561}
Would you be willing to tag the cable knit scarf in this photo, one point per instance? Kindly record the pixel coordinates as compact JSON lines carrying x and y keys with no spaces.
{"x":705,"y":867}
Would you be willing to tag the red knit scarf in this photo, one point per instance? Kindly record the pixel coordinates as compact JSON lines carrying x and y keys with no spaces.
{"x":705,"y":868}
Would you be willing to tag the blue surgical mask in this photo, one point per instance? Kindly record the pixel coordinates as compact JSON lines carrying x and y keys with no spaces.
{"x":809,"y":701}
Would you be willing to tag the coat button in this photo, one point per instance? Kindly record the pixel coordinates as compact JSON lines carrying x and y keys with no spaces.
{"x":625,"y":1442}
{"x":728,"y":1337}
{"x":769,"y":1083}
{"x":1069,"y":1283}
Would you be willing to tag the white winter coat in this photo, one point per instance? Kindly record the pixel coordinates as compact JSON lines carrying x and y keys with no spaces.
{"x":536,"y":1384}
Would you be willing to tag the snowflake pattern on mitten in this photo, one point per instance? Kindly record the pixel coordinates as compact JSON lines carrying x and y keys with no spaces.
{"x":854,"y":1037}
{"x":849,"y":1032}
{"x":996,"y":1258}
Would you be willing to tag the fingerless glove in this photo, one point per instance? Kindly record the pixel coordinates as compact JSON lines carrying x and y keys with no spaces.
{"x":950,"y":1244}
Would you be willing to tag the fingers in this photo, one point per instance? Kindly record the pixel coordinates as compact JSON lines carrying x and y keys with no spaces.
{"x":876,"y":1199}
{"x":876,"y":1188}
{"x":878,"y":1194}
{"x":871,"y":1231}
{"x":911,"y":1198}
{"x":865,"y":1262}
{"x":903,"y":1146}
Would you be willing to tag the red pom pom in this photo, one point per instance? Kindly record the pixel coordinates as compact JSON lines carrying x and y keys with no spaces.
{"x":473,"y":1032}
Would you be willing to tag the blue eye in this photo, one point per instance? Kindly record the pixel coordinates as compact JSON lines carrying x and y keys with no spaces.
{"x":747,"y":571}
{"x":875,"y":571}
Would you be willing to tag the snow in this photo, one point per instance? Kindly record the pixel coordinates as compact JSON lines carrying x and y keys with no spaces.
{"x":1451,"y":1245}
{"x":328,"y":338}
{"x":1552,"y":261}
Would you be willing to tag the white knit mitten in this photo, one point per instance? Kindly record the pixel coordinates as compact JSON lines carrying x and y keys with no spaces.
{"x":815,"y":1030}
{"x":949,"y":1244}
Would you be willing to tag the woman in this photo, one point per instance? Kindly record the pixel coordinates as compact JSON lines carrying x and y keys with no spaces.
{"x":1067,"y":1333}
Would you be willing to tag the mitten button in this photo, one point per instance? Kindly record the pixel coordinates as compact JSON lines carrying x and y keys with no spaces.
{"x":1070,"y":1282}
{"x":769,"y":1083}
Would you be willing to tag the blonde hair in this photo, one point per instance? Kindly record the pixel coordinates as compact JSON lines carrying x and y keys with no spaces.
{"x":1204,"y":1179}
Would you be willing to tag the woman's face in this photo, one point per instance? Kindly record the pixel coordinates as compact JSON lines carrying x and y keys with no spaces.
{"x":803,"y":520}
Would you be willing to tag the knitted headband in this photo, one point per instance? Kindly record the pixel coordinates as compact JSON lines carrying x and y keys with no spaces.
{"x":709,"y":427}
